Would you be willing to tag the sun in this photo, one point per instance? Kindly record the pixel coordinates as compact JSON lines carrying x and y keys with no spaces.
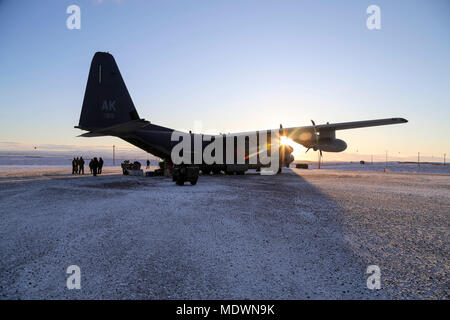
{"x":285,"y":141}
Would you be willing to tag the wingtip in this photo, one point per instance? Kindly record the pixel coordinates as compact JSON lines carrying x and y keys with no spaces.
{"x":400,"y":120}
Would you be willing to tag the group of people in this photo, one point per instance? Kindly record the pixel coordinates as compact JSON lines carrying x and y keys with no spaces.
{"x":95,"y":165}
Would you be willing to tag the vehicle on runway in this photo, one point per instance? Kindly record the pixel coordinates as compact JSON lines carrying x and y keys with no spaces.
{"x":108,"y":110}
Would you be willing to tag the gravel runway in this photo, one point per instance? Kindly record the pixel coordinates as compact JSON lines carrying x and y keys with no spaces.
{"x":304,"y":234}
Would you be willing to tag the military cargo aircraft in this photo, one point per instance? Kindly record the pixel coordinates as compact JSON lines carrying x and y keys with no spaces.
{"x":109,"y":111}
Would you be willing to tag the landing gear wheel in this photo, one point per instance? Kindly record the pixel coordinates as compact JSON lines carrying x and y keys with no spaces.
{"x":182,"y":174}
{"x":216,"y":171}
{"x":206,"y":171}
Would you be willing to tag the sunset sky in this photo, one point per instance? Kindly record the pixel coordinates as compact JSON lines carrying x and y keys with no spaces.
{"x":232,"y":66}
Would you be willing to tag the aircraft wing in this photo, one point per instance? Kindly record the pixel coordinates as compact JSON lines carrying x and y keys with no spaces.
{"x":342,"y":126}
{"x":358,"y":124}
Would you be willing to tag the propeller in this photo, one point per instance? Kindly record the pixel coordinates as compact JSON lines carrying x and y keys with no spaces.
{"x":282,"y":130}
{"x":317,"y":137}
{"x":315,"y":132}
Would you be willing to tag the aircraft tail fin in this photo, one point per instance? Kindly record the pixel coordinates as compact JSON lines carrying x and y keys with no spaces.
{"x":106,"y":101}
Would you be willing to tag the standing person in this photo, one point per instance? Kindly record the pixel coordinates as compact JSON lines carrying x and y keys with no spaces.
{"x":148,"y":163}
{"x":100,"y":165}
{"x":77,"y":165}
{"x":94,"y":166}
{"x":74,"y":166}
{"x":81,"y":165}
{"x":91,"y":165}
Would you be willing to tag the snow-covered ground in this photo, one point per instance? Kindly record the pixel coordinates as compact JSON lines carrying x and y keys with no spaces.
{"x":59,"y":161}
{"x":33,"y":172}
{"x":301,"y":234}
{"x":390,"y":167}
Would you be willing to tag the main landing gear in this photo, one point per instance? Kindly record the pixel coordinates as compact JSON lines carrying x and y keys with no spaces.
{"x":183,"y":173}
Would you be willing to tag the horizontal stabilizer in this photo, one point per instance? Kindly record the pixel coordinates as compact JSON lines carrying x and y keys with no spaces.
{"x":119,"y":129}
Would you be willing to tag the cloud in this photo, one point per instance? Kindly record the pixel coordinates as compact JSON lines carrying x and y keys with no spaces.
{"x":27,"y":149}
{"x":8,"y":143}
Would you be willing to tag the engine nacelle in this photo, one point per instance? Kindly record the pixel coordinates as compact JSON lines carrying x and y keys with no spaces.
{"x":330,"y":145}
